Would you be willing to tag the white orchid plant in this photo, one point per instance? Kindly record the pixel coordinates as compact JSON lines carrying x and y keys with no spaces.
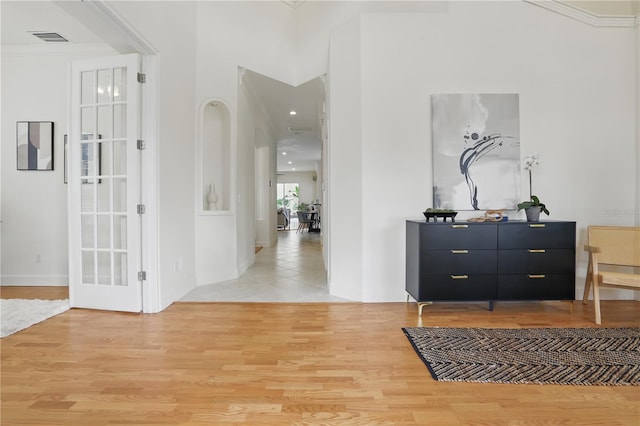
{"x":528,"y":163}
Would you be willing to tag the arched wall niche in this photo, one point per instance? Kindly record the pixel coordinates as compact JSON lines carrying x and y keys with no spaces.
{"x":215,"y":157}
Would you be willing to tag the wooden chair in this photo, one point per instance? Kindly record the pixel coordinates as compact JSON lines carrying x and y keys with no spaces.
{"x":611,"y":245}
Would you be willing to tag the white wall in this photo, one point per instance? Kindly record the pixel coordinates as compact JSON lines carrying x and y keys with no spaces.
{"x":576,"y":110}
{"x":266,"y":217}
{"x":637,"y":50}
{"x":315,"y":21}
{"x":225,"y":242}
{"x":637,"y":113}
{"x":35,"y":84}
{"x":246,"y":182}
{"x":344,"y":159}
{"x":257,"y":36}
{"x":170,"y":28}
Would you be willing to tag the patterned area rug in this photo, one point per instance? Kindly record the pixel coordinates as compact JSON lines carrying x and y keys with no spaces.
{"x":566,"y":356}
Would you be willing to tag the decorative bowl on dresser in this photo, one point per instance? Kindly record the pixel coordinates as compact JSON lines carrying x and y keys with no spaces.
{"x":439,"y":213}
{"x":490,"y":261}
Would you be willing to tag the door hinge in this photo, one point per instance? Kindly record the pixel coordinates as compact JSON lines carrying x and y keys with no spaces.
{"x":142,"y":276}
{"x":141,"y":209}
{"x":141,"y":144}
{"x":142,"y":78}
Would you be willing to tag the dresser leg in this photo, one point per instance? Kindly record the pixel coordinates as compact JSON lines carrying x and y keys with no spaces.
{"x":491,"y":305}
{"x":570,"y":302}
{"x":422,"y":305}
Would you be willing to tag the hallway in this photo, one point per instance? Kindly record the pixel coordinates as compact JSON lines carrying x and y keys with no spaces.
{"x":292,"y":271}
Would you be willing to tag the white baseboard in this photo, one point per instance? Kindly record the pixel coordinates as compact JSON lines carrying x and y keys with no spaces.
{"x":34,"y":280}
{"x":246,"y":265}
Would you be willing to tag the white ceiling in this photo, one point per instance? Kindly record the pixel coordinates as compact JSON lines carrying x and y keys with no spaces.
{"x":298,"y":135}
{"x":19,"y":19}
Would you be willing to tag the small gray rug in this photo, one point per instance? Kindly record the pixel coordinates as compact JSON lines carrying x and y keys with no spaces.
{"x":18,"y":314}
{"x":566,"y":356}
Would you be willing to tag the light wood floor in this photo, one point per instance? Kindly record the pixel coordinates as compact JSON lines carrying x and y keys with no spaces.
{"x":281,"y":363}
{"x":45,"y":293}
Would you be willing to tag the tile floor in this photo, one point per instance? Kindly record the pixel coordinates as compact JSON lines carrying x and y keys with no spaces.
{"x":291,"y":271}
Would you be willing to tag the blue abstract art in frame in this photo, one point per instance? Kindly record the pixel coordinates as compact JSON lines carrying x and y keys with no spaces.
{"x":34,"y":145}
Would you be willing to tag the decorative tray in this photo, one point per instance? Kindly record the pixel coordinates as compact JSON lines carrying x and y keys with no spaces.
{"x":434,"y":214}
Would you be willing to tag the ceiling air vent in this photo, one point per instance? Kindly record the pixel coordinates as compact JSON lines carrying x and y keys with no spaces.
{"x":50,"y":37}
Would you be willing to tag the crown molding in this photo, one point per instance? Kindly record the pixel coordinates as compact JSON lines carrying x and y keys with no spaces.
{"x":126,"y":30}
{"x":586,"y":17}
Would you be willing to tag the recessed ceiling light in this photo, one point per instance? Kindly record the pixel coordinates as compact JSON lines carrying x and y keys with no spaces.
{"x":290,"y":162}
{"x":292,"y":112}
{"x":293,"y":168}
{"x":284,"y":153}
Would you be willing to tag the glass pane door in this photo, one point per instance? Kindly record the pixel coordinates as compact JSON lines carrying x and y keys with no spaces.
{"x":104,"y":184}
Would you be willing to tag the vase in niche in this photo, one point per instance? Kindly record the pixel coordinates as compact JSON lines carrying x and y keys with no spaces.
{"x":212,"y":198}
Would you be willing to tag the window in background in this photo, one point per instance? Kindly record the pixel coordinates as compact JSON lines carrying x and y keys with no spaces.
{"x":288,"y":195}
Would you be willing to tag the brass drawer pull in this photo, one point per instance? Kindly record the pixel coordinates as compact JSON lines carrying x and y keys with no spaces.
{"x":459,"y":226}
{"x":537,"y":251}
{"x":460,"y":251}
{"x":459,"y":277}
{"x":538,"y":276}
{"x":537,"y":225}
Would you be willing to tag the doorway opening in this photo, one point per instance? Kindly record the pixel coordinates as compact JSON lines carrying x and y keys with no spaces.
{"x":289,"y":132}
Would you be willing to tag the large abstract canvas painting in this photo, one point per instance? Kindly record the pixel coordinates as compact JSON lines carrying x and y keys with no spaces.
{"x":35,"y":145}
{"x":476,"y":151}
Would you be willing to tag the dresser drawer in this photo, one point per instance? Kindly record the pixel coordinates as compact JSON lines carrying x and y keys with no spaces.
{"x":457,"y":261}
{"x":457,"y":287}
{"x":536,"y":287}
{"x":537,"y":235}
{"x":458,"y":236}
{"x":536,"y":261}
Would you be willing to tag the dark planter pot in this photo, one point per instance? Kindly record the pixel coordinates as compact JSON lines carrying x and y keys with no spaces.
{"x":533,"y":213}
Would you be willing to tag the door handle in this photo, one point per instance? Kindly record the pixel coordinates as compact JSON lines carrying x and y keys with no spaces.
{"x":537,"y":225}
{"x":537,"y":251}
{"x":459,"y":226}
{"x":459,"y":277}
{"x":460,"y":251}
{"x":536,"y":276}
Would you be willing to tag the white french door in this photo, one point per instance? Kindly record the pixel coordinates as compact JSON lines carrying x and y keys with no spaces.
{"x":104,"y":184}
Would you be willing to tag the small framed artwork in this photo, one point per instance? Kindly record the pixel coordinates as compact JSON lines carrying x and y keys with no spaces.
{"x":89,"y":162}
{"x":34,"y":145}
{"x":91,"y":159}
